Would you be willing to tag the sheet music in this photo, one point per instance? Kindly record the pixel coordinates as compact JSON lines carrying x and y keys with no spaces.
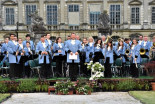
{"x":73,"y":57}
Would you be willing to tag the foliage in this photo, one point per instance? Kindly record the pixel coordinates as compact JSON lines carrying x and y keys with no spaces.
{"x":4,"y":96}
{"x":146,"y":97}
{"x":3,"y":87}
{"x":26,"y":86}
{"x":63,"y":87}
{"x":83,"y":86}
{"x":126,"y":85}
{"x":150,"y":68}
{"x":96,"y":70}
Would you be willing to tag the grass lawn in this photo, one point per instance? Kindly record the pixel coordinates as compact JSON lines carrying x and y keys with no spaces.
{"x":146,"y":97}
{"x":3,"y":96}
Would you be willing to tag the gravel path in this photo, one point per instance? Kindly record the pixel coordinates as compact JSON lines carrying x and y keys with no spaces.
{"x":95,"y":98}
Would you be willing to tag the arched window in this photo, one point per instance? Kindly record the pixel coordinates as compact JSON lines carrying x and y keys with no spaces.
{"x":134,"y":35}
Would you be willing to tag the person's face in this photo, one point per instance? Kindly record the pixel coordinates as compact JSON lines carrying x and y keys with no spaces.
{"x":77,"y":37}
{"x":84,"y":41}
{"x":15,"y":38}
{"x":12,"y":37}
{"x":121,"y":43}
{"x":6,"y":40}
{"x":42,"y":39}
{"x":27,"y":44}
{"x":59,"y":40}
{"x":109,"y":44}
{"x":68,"y":38}
{"x":140,"y":38}
{"x":134,"y":42}
{"x":99,"y":42}
{"x":28,"y":38}
{"x":145,"y":38}
{"x":103,"y":38}
{"x":20,"y":41}
{"x":73,"y":36}
{"x":48,"y":36}
{"x":90,"y":40}
{"x":153,"y":40}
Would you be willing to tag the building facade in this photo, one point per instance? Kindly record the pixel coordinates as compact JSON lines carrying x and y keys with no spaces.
{"x":128,"y":18}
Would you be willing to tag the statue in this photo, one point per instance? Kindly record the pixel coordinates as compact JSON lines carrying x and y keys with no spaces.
{"x":36,"y":27}
{"x":104,"y":24}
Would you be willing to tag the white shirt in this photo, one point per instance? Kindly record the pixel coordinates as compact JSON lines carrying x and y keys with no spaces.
{"x":44,"y":44}
{"x":82,"y":46}
{"x":15,"y":42}
{"x":59,"y":44}
{"x":90,"y":44}
{"x":133,"y":47}
{"x":72,"y":42}
{"x":120,"y":47}
{"x":49,"y":42}
{"x":109,"y":48}
{"x":29,"y":49}
{"x":145,"y":43}
{"x":98,"y":46}
{"x":140,"y":41}
{"x":21,"y":45}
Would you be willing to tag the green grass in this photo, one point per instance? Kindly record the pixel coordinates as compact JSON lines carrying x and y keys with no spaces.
{"x":146,"y":97}
{"x":3,"y":96}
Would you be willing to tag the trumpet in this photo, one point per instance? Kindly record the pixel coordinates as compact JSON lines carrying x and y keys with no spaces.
{"x":109,"y":39}
{"x":142,"y":51}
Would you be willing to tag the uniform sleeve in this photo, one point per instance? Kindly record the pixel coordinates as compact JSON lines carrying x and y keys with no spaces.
{"x":137,"y":52}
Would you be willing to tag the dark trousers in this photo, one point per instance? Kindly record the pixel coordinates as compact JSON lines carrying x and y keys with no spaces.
{"x":73,"y":70}
{"x":27,"y":71}
{"x":134,"y":70}
{"x":45,"y":69}
{"x":107,"y":66}
{"x":19,"y":71}
{"x":58,"y":71}
{"x":12,"y":70}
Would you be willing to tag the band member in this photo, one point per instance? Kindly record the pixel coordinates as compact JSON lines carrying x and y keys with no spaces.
{"x":28,"y":40}
{"x":140,"y":40}
{"x":104,"y":41}
{"x":98,"y":51}
{"x":4,"y":50}
{"x":78,"y":37}
{"x":152,"y":50}
{"x":59,"y":52}
{"x":19,"y":53}
{"x":12,"y":56}
{"x":84,"y":57}
{"x":121,"y":50}
{"x":28,"y":52}
{"x":135,"y":55}
{"x":91,"y":49}
{"x":146,"y":45}
{"x":73,"y":47}
{"x":44,"y":50}
{"x":108,"y":53}
{"x":48,"y":39}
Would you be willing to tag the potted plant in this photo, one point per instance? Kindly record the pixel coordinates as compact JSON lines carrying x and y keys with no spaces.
{"x":64,"y":88}
{"x":150,"y":69}
{"x":82,"y":87}
{"x":97,"y":70}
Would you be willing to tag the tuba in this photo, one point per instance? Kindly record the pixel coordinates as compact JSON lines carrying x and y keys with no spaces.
{"x":142,"y":51}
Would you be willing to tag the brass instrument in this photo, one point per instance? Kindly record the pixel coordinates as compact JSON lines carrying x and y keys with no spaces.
{"x":109,"y":39}
{"x":119,"y":39}
{"x":127,"y":51}
{"x":142,"y":51}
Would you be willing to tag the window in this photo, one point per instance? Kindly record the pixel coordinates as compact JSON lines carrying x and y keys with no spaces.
{"x":52,"y":13}
{"x":135,"y":15}
{"x":10,"y":18}
{"x":73,"y":8}
{"x":94,"y":16}
{"x":115,"y":14}
{"x":153,"y":15}
{"x":29,"y":9}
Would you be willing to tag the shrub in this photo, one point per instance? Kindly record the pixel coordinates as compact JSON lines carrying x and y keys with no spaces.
{"x":126,"y":85}
{"x":26,"y":86}
{"x":3,"y":87}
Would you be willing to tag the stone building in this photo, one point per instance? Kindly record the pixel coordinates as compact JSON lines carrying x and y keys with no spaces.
{"x":62,"y":17}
